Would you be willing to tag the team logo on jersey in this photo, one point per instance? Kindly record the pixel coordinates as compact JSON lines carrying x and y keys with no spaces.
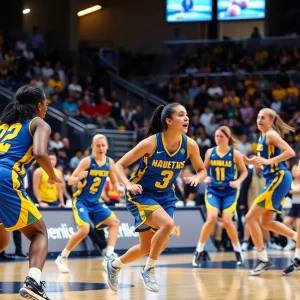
{"x":107,"y":164}
{"x":81,"y":209}
{"x":229,"y":154}
{"x":209,"y":195}
{"x":182,"y":151}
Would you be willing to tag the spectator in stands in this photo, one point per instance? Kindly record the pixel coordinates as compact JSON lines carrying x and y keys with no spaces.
{"x":89,"y":85}
{"x":88,"y":111}
{"x":127,"y":112}
{"x":74,"y":86}
{"x":62,"y":158}
{"x":116,"y":108}
{"x":28,"y":54}
{"x":292,"y":90}
{"x":74,"y":162}
{"x":137,"y":120}
{"x":256,"y":34}
{"x":212,"y":126}
{"x":67,"y":148}
{"x":246,"y":110}
{"x":46,"y":193}
{"x":47,"y":70}
{"x":36,"y":41}
{"x":59,"y":68}
{"x":194,"y":90}
{"x":215,"y":90}
{"x":244,"y":146}
{"x":56,"y":142}
{"x":206,"y":117}
{"x":70,"y":108}
{"x":192,"y":69}
{"x":55,"y":103}
{"x":56,"y":84}
{"x":103,"y":114}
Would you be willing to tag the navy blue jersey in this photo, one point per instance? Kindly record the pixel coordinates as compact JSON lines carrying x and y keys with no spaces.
{"x":222,"y":168}
{"x":269,"y":151}
{"x":159,"y":171}
{"x":16,"y":147}
{"x":91,"y":188}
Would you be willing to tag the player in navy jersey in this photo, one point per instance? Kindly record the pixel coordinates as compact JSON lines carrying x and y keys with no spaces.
{"x":24,"y":137}
{"x":90,"y":176}
{"x":272,"y":152}
{"x":223,"y":184}
{"x":150,"y":192}
{"x":295,"y":262}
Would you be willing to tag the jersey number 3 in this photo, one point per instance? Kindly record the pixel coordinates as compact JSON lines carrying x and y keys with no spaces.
{"x":10,"y":133}
{"x":165,"y":182}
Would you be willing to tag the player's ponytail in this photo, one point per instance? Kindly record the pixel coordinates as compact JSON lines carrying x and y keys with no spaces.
{"x":23,"y":106}
{"x":232,"y":140}
{"x":278,"y":124}
{"x":158,"y":120}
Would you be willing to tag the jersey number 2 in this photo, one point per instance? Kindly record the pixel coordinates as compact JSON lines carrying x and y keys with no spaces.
{"x":95,"y":186}
{"x":11,"y":132}
{"x":165,"y":182}
{"x":220,"y":174}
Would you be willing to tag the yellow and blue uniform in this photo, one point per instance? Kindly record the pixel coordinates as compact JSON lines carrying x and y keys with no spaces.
{"x":156,"y":174}
{"x":87,"y":204}
{"x":16,"y":156}
{"x":278,"y":178}
{"x":219,"y":194}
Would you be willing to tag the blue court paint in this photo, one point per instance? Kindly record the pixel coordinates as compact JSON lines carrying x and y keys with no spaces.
{"x":59,"y":287}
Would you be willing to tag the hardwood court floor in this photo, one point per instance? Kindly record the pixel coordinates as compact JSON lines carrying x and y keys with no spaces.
{"x":218,"y":279}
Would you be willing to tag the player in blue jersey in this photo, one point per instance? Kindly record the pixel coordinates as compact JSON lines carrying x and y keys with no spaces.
{"x":223,"y":184}
{"x":90,"y":176}
{"x":272,"y":152}
{"x":150,"y":192}
{"x":24,"y":137}
{"x":295,"y":262}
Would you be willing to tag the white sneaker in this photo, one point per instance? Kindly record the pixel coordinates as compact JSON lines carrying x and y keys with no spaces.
{"x":62,"y":264}
{"x":291,"y":245}
{"x":113,"y":256}
{"x":245,"y":246}
{"x":273,"y":246}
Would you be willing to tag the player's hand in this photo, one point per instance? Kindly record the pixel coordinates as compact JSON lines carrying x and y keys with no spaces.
{"x":249,"y":161}
{"x":234,"y":184}
{"x":192,"y":180}
{"x":118,"y":188}
{"x":207,"y":180}
{"x":134,"y":189}
{"x":61,"y":205}
{"x":259,"y":161}
{"x":54,"y":179}
{"x":43,"y":204}
{"x":82,"y":175}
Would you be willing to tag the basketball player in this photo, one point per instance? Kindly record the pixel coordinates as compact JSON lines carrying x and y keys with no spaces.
{"x":24,"y":137}
{"x":222,"y":191}
{"x":46,"y":193}
{"x":272,"y":152}
{"x":91,"y":174}
{"x":295,"y":262}
{"x":150,"y":195}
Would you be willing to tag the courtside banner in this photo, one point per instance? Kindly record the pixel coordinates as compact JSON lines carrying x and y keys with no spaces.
{"x":60,"y":226}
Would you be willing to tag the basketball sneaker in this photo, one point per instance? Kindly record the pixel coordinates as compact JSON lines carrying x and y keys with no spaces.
{"x":239,"y":258}
{"x":62,"y":264}
{"x":200,"y":257}
{"x":112,"y":275}
{"x":113,"y":256}
{"x":295,"y":265}
{"x":261,"y":266}
{"x":149,"y":280}
{"x":32,"y":290}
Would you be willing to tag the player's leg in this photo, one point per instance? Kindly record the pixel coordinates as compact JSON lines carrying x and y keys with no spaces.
{"x":229,"y":209}
{"x":82,"y":220}
{"x":134,"y":253}
{"x":103,"y":217}
{"x":4,"y":238}
{"x":295,"y":262}
{"x":213,"y":206}
{"x":288,"y":221}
